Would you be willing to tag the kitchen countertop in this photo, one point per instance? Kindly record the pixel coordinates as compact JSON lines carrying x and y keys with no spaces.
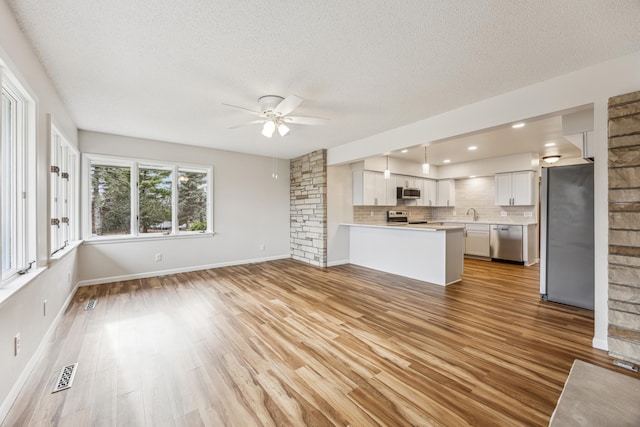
{"x":497,"y":221}
{"x":424,"y":227}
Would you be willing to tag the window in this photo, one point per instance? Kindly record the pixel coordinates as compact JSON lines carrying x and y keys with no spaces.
{"x":17,"y":177}
{"x":64,"y":191}
{"x":131,"y":198}
{"x":110,"y":200}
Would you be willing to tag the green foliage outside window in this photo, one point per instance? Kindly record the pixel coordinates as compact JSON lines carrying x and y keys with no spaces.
{"x":111,"y":200}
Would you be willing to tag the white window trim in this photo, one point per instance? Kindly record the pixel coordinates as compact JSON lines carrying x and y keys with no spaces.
{"x":73,"y":190}
{"x":25,"y":179}
{"x":134,"y":163}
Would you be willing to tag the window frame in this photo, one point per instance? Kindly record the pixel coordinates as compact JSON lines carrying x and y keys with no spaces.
{"x":90,"y":159}
{"x":23,"y":186}
{"x":63,"y":193}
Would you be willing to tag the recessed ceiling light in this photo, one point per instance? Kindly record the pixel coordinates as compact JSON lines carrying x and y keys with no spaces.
{"x":446,"y":161}
{"x":404,"y":151}
{"x":473,"y":147}
{"x":549,"y":144}
{"x":472,"y":176}
{"x":518,"y":125}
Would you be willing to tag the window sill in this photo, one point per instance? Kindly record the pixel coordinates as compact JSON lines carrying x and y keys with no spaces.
{"x":61,"y":254}
{"x":17,"y":283}
{"x":130,"y":239}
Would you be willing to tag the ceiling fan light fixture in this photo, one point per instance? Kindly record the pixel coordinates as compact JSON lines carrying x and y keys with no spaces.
{"x":551,"y":159}
{"x":283,"y":129}
{"x":268,"y":128}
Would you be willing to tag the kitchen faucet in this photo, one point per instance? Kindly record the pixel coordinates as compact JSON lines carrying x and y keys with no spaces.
{"x":475,"y":213}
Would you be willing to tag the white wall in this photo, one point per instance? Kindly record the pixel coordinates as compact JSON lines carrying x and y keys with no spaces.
{"x":250,"y":209}
{"x":485,"y":167}
{"x":23,"y":311}
{"x":399,"y":167}
{"x":591,"y":85}
{"x":339,"y":210}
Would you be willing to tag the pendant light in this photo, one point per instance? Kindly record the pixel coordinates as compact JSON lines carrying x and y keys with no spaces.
{"x":425,"y":165}
{"x":387,"y":172}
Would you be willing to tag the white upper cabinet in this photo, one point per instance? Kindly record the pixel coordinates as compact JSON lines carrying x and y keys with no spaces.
{"x":429,"y":192}
{"x":372,"y":189}
{"x":446,"y":192}
{"x":515,"y":189}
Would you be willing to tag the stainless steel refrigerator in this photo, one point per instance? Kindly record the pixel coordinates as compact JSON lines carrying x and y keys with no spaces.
{"x":566,"y":235}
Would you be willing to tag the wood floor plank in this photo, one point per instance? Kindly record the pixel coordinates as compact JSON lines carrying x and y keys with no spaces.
{"x":282,"y":343}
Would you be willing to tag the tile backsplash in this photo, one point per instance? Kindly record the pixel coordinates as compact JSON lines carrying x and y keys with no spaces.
{"x":480,"y":193}
{"x":477,"y":193}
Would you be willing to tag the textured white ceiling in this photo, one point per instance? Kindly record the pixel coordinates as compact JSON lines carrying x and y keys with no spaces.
{"x":160,"y":69}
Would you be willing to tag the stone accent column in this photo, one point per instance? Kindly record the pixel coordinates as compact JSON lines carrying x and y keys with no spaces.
{"x":624,"y":227}
{"x":309,"y":208}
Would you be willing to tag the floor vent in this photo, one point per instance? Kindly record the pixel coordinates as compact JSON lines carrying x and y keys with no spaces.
{"x":626,"y":365}
{"x":91,"y":304}
{"x":66,"y":378}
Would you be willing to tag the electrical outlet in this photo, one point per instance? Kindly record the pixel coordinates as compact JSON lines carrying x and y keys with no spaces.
{"x":503,"y":213}
{"x":371,"y":213}
{"x":261,"y":247}
{"x":17,"y":345}
{"x":44,"y":308}
{"x":159,"y":256}
{"x":69,"y":278}
{"x":528,"y":213}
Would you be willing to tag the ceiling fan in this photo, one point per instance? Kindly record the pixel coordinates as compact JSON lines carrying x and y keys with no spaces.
{"x":273,"y":114}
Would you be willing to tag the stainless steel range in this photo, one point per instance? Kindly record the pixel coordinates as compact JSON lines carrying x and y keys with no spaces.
{"x":401,"y":217}
{"x":397,"y":216}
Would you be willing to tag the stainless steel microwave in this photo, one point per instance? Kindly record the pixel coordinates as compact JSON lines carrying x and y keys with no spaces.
{"x":408,"y":193}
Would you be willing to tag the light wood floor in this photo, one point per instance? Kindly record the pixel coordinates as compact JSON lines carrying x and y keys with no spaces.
{"x":286,"y":344}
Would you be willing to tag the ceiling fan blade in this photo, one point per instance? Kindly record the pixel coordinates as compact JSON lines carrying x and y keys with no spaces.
{"x":254,"y":122}
{"x":298,"y":120}
{"x":241,"y":108}
{"x":287,"y":105}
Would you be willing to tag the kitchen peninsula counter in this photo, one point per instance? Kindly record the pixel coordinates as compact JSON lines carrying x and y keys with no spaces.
{"x":429,"y":252}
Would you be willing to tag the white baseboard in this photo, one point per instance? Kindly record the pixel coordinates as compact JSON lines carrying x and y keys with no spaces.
{"x":155,"y":273}
{"x":22,"y":379}
{"x":600,"y":344}
{"x":338,"y":262}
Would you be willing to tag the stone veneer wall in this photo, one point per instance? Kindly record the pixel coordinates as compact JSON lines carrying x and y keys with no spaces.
{"x":308,"y":218}
{"x":624,"y":227}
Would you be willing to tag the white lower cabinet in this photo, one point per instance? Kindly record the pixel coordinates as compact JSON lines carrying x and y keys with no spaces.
{"x":477,"y":241}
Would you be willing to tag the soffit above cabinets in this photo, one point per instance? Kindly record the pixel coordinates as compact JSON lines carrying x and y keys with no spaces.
{"x":542,"y":136}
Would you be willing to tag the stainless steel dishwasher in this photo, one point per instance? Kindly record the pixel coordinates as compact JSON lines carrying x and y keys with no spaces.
{"x":506,"y":243}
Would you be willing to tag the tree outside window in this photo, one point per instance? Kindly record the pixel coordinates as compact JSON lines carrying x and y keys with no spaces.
{"x":192,"y":201}
{"x":154,"y":200}
{"x":110,"y":200}
{"x":131,"y":198}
